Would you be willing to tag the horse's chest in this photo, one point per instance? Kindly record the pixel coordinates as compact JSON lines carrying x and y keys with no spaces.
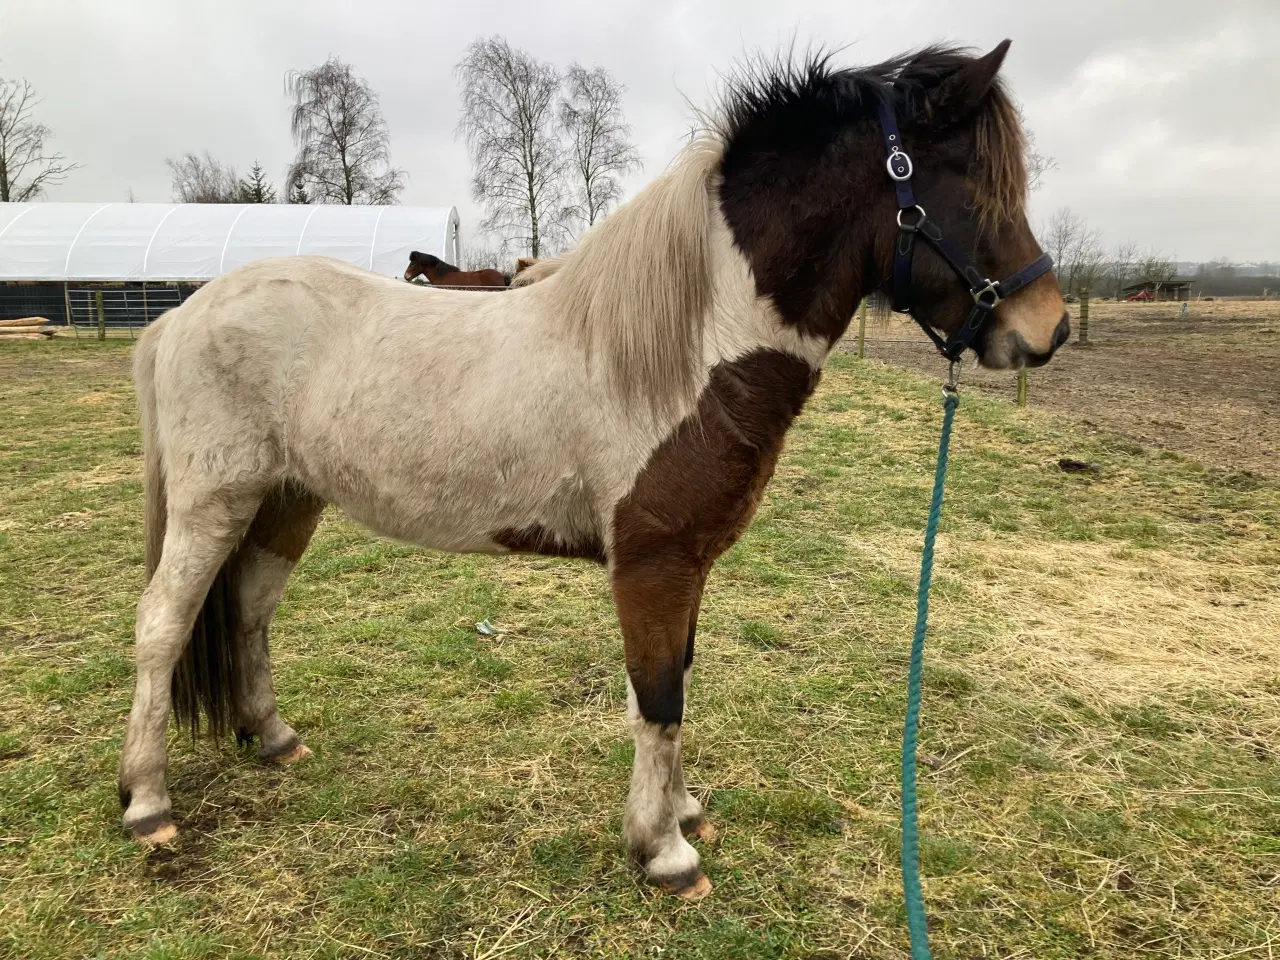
{"x":703,"y":484}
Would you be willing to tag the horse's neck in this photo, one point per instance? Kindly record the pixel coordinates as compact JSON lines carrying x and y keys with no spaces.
{"x":741,"y":322}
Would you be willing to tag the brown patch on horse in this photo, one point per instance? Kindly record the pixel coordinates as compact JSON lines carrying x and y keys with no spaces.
{"x":691,"y":502}
{"x":524,"y":263}
{"x":285,"y":522}
{"x":537,"y":539}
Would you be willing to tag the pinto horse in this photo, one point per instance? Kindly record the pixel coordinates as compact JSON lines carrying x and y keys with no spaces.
{"x":439,"y":273}
{"x":627,"y":409}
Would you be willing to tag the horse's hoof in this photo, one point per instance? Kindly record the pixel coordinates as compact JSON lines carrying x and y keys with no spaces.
{"x":299,"y":753}
{"x":699,"y":829}
{"x":703,"y":830}
{"x":155,"y":831}
{"x":696,"y":890}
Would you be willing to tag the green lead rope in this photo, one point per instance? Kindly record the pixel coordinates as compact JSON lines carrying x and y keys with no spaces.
{"x":911,"y":890}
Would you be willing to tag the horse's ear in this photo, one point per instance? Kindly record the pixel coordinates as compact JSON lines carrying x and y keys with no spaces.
{"x":415,"y":257}
{"x":959,"y":94}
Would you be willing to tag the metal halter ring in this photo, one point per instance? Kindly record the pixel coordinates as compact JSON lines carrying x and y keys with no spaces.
{"x":912,"y":226}
{"x":991,"y":289}
{"x":893,"y":174}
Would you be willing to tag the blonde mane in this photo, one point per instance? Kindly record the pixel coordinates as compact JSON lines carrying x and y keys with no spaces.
{"x":637,"y":288}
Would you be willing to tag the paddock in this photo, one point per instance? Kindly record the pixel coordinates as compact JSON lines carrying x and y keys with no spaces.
{"x":1100,"y":732}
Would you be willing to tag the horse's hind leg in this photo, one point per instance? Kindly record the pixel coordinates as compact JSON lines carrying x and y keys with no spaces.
{"x":198,"y":542}
{"x":277,"y":537}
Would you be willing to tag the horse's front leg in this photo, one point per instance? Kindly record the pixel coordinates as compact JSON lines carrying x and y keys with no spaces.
{"x":693,"y":821}
{"x":655,"y":593}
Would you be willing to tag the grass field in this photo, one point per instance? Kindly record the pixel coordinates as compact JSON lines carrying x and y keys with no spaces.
{"x":1101,"y":728}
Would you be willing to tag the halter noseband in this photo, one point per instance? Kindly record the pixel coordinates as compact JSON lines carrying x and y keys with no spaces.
{"x":986,"y":293}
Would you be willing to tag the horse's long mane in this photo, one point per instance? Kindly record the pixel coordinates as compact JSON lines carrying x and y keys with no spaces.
{"x":807,"y":98}
{"x":637,"y":288}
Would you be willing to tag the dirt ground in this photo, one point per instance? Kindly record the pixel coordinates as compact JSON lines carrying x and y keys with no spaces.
{"x":1206,"y":385}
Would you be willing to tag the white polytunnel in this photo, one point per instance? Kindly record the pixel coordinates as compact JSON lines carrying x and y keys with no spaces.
{"x":104,"y":242}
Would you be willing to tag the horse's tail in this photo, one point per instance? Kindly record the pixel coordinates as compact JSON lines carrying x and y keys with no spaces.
{"x":155,"y":506}
{"x":204,"y":678}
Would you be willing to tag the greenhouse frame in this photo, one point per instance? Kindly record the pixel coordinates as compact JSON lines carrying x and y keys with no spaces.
{"x":123,"y":264}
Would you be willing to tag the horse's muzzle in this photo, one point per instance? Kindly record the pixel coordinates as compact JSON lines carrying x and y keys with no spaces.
{"x":1061,"y":333}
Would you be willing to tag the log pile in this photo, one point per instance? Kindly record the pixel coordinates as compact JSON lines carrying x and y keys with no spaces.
{"x":26,"y":328}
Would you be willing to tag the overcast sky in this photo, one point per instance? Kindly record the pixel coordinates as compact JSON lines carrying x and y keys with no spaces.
{"x":1162,"y":114}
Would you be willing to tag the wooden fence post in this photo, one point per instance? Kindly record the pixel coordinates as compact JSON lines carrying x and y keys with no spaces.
{"x":1084,"y":317}
{"x":1022,"y":386}
{"x":102,"y":317}
{"x":862,"y":329}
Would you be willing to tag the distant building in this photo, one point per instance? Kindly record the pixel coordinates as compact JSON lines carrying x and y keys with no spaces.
{"x":1159,"y":290}
{"x":145,"y":258}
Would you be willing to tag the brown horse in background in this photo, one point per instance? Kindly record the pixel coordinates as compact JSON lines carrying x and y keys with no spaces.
{"x":439,"y":273}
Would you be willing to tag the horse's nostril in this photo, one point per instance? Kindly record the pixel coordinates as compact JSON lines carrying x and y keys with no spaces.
{"x":1063,"y":331}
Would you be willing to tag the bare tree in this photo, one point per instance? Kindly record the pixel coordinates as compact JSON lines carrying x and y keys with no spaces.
{"x":1060,"y":237}
{"x":1079,"y":258}
{"x":482,"y":255}
{"x":202,"y":179}
{"x":26,"y":166}
{"x":1154,"y":265}
{"x":1120,"y":270}
{"x":344,"y":149}
{"x":509,"y":125}
{"x":1087,"y":264}
{"x":1037,"y":163}
{"x":599,"y":145}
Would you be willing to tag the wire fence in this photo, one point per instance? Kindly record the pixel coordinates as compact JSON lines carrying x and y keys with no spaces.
{"x":124,"y":310}
{"x":118,"y":309}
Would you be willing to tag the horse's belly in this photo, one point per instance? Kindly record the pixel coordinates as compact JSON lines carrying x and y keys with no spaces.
{"x":465,"y":498}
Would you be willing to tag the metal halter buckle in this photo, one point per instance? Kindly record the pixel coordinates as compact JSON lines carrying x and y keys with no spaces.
{"x":893,"y":174}
{"x":912,"y":226}
{"x":990,"y":288}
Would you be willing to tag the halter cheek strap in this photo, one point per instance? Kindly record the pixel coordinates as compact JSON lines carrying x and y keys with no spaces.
{"x":913,"y":222}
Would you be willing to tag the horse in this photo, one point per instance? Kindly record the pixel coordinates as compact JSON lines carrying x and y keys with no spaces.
{"x":531,"y":270}
{"x":627,"y":409}
{"x":440,"y":273}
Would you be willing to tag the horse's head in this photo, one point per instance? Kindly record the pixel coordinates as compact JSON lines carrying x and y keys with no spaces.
{"x":530,"y":270}
{"x":807,"y":146}
{"x":420,"y":264}
{"x":971,"y":181}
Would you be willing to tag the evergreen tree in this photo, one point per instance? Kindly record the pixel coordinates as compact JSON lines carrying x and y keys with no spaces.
{"x":256,"y":188}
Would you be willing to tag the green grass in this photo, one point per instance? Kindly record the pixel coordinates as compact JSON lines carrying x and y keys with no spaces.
{"x":1100,"y":745}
